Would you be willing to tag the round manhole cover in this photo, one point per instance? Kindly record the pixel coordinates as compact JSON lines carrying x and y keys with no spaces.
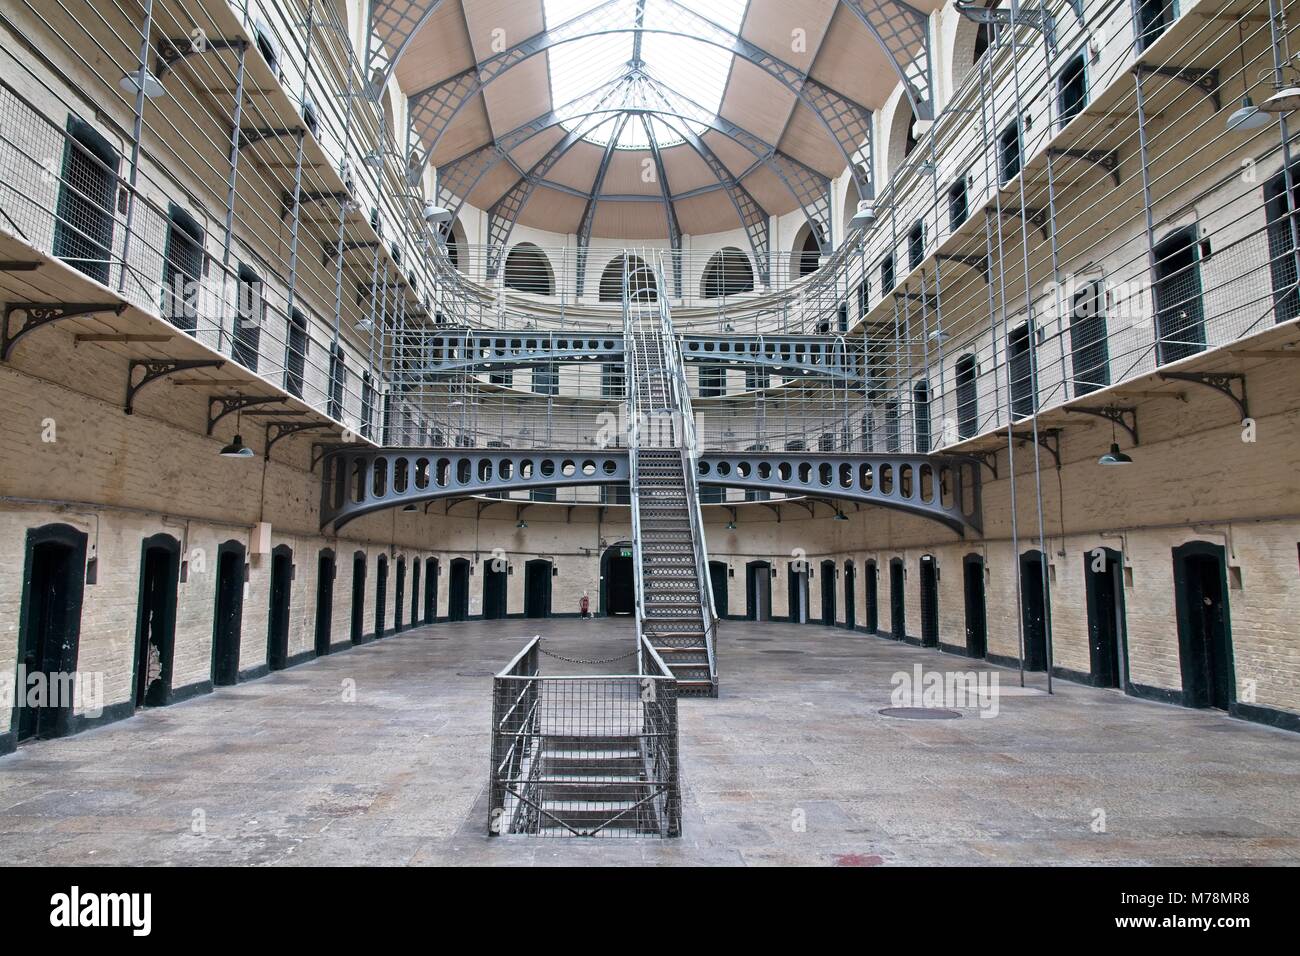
{"x":920,"y":713}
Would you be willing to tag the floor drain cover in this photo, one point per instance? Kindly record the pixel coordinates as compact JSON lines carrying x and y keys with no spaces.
{"x":920,"y":713}
{"x":779,"y":651}
{"x":476,"y":673}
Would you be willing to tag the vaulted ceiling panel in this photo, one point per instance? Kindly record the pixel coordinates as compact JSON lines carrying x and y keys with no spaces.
{"x":630,"y":220}
{"x":440,"y":49}
{"x":632,"y":173}
{"x":790,"y":29}
{"x":711,"y":212}
{"x":553,"y":211}
{"x":757,"y":101}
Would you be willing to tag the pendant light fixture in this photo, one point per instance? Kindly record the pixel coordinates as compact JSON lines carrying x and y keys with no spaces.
{"x":1249,"y":116}
{"x":237,"y":448}
{"x":1114,"y":456}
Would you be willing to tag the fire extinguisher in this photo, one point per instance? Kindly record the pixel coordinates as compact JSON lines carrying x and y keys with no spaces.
{"x":584,"y":606}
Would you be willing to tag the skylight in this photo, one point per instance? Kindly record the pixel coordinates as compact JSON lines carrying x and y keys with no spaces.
{"x":693,"y":69}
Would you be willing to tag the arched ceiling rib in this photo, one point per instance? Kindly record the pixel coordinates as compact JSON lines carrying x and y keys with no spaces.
{"x":802,"y":79}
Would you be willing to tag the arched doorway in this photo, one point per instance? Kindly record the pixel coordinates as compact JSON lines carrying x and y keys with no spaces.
{"x":537,"y":587}
{"x":458,"y":590}
{"x":640,"y":279}
{"x":758,"y":591}
{"x":797,"y":591}
{"x":871,"y":584}
{"x":325,"y":572}
{"x":358,"y":627}
{"x":155,"y":621}
{"x":718,"y":582}
{"x":381,"y":594}
{"x":850,"y":597}
{"x":227,"y":621}
{"x":415,"y":592}
{"x":494,"y":589}
{"x":617,"y":584}
{"x":430,"y":590}
{"x":976,"y":613}
{"x":1103,"y":575}
{"x":399,"y":594}
{"x":1034,"y":610}
{"x":929,"y":601}
{"x":50,"y":624}
{"x":1204,"y":625}
{"x":897,"y":602}
{"x":828,"y":593}
{"x":277,"y":621}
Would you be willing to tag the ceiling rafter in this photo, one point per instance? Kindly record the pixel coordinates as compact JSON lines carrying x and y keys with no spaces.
{"x":903,"y":32}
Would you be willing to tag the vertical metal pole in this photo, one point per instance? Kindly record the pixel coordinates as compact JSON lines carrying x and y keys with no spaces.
{"x":232,"y":179}
{"x":1144,"y":159}
{"x":297,"y":191}
{"x":1033,"y":355}
{"x":1277,"y":38}
{"x":137,"y":130}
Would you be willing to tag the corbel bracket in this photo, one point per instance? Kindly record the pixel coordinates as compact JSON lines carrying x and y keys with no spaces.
{"x":1048,"y":438}
{"x":310,"y":196}
{"x":1125,"y":416}
{"x":1107,"y":159}
{"x":330,"y":249}
{"x":1034,"y":215}
{"x":233,"y":403}
{"x":154,"y":369}
{"x":1205,"y":80}
{"x":978,"y":263}
{"x":277,"y":430}
{"x":1221,"y":382}
{"x":250,"y":137}
{"x":40,"y":314}
{"x":171,"y":50}
{"x":989,"y":459}
{"x":1036,"y":18}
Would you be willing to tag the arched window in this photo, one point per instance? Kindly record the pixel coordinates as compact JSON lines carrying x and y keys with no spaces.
{"x":452,"y":236}
{"x":727,"y":273}
{"x":641,"y":283}
{"x":808,"y":251}
{"x":528,"y":270}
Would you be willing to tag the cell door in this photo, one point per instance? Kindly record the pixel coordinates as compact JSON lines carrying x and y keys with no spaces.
{"x":277,"y":627}
{"x":537,"y":588}
{"x":155,"y":630}
{"x":1104,"y":582}
{"x":929,"y":602}
{"x":758,"y":591}
{"x":828,"y":593}
{"x":797,"y":592}
{"x":358,"y":622}
{"x":1204,"y":626}
{"x":718,"y":582}
{"x":1180,"y":310}
{"x":850,"y":597}
{"x":228,"y":618}
{"x":324,"y":601}
{"x":458,"y":591}
{"x":1034,"y":609}
{"x":49,"y":630}
{"x":494,"y":590}
{"x":976,"y":613}
{"x":897,"y":603}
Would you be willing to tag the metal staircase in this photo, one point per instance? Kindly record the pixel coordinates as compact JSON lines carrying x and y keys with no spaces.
{"x":675,"y":610}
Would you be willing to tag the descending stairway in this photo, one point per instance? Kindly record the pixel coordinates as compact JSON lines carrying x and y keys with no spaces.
{"x":674,"y":600}
{"x":592,"y":786}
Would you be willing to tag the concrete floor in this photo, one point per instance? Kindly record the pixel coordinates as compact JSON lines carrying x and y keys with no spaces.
{"x":285,"y":771}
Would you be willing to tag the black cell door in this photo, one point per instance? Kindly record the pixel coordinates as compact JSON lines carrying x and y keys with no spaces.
{"x":381,"y":594}
{"x":50,"y":629}
{"x":617,"y":586}
{"x":929,"y":602}
{"x":718,"y":582}
{"x":1103,"y":576}
{"x":797,"y":591}
{"x":850,"y":598}
{"x":458,"y":591}
{"x":828,"y":593}
{"x":897,"y":604}
{"x":277,"y":625}
{"x":325,"y":569}
{"x":1180,"y":311}
{"x":494,"y":589}
{"x":1204,"y":625}
{"x":228,"y":620}
{"x":1033,"y":609}
{"x":977,"y":638}
{"x":430,"y":590}
{"x":871,"y":585}
{"x":537,"y":588}
{"x":155,"y":627}
{"x":758,"y":591}
{"x":415,"y":592}
{"x":358,"y":624}
{"x":399,"y":594}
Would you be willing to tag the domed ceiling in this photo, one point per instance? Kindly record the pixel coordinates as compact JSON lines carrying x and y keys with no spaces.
{"x":647,"y":119}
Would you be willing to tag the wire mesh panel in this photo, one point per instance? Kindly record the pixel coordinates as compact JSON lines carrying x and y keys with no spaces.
{"x":583,"y":756}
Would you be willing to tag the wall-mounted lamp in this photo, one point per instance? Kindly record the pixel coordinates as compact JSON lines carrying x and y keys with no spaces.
{"x":130,"y":84}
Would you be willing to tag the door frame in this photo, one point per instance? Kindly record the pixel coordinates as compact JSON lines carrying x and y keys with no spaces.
{"x":532,"y":567}
{"x":850,"y":598}
{"x":928,"y":568}
{"x":1115,"y":568}
{"x":967,"y":562}
{"x":323,"y":588}
{"x":167,"y":655}
{"x":752,"y":570}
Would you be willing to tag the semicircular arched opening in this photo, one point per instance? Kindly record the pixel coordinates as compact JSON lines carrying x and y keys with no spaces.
{"x":727,"y":273}
{"x":528,"y":269}
{"x":633,"y":272}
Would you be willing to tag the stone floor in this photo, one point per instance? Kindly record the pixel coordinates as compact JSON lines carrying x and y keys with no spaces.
{"x":793,"y":765}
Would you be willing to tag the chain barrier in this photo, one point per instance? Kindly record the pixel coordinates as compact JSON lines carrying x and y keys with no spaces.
{"x":579,"y":660}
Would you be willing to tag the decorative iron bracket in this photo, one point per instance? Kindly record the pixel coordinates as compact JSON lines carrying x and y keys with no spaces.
{"x":1036,"y":18}
{"x":234,"y":403}
{"x":277,"y":430}
{"x":1049,"y":438}
{"x":41,"y":314}
{"x":979,"y":263}
{"x":19,"y":265}
{"x":155,"y":369}
{"x":1107,"y":159}
{"x":309,"y":196}
{"x":1034,"y":215}
{"x":1115,"y":414}
{"x":989,"y":459}
{"x":1205,"y":80}
{"x":171,"y":50}
{"x":249,"y":137}
{"x":330,"y":249}
{"x":1221,"y":382}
